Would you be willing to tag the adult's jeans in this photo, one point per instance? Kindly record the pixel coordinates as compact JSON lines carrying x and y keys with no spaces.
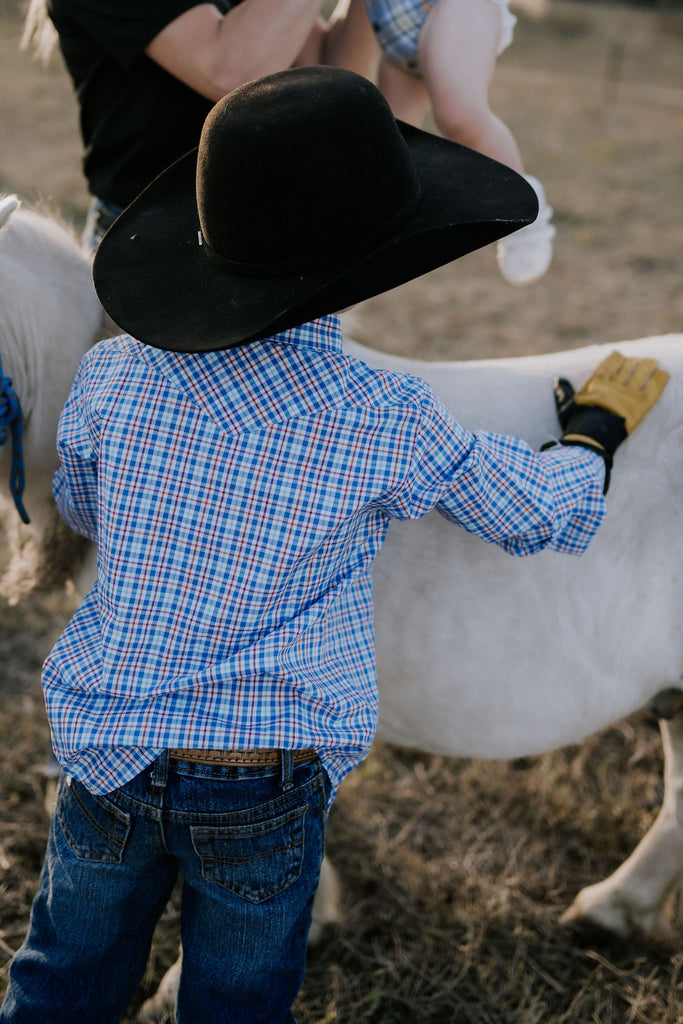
{"x":248,"y":842}
{"x":100,"y":218}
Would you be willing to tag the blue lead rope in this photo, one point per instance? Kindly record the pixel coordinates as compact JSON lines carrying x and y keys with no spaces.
{"x":11,"y":425}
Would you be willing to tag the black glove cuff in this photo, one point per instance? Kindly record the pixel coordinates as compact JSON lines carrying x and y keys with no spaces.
{"x":591,"y":423}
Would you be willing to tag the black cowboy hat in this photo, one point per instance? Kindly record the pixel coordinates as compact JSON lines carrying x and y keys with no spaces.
{"x":304,"y":197}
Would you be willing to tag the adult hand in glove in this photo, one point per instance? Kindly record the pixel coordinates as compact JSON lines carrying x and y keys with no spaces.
{"x":612,"y":402}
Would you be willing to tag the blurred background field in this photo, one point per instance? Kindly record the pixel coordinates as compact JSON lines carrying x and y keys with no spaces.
{"x":455,"y":872}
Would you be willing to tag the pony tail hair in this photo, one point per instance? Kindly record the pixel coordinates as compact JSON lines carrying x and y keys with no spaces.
{"x":39,"y":34}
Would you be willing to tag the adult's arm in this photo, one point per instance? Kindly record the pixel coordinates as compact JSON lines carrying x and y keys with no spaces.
{"x":213,"y":53}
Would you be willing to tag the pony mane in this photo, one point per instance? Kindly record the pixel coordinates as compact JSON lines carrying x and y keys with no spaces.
{"x":39,"y":34}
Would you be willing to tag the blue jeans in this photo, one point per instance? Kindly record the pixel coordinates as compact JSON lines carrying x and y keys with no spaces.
{"x":248,"y":842}
{"x":100,"y":218}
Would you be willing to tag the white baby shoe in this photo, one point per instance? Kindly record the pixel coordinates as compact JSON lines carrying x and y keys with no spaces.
{"x":525,"y":255}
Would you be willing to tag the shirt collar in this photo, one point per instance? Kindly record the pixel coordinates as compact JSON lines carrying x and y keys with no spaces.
{"x":323,"y":334}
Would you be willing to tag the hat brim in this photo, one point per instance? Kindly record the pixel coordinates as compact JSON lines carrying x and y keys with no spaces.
{"x":154,"y":277}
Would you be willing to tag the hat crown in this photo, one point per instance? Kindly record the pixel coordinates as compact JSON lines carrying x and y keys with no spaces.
{"x":299,"y":165}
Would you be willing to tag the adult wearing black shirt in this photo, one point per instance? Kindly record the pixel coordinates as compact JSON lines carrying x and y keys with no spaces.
{"x":147,"y":72}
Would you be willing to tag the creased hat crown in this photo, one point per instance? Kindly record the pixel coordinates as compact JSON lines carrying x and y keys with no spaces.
{"x":292,"y":173}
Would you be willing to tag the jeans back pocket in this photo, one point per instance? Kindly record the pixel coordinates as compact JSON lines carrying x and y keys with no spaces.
{"x":94,"y":829}
{"x":256,"y":860}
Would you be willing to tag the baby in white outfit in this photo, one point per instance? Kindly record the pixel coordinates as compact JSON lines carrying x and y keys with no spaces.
{"x":444,"y":53}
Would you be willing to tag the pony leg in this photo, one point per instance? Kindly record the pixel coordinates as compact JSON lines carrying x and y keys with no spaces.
{"x":631,"y":901}
{"x":161,"y":1006}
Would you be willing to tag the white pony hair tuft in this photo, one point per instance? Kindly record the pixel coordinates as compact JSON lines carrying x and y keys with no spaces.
{"x":39,"y":34}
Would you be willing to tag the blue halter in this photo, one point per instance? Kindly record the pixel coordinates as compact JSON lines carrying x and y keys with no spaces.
{"x":11,"y":420}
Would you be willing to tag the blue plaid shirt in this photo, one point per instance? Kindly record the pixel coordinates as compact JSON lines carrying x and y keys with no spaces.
{"x":238,"y":499}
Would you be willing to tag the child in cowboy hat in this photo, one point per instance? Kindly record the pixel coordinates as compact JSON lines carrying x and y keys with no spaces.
{"x":238,"y":473}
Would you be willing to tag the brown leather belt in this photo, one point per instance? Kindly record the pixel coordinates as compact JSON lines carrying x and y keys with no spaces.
{"x":239,"y":757}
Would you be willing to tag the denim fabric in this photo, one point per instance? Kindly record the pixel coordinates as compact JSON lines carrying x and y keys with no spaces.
{"x":248,"y":843}
{"x":100,"y":218}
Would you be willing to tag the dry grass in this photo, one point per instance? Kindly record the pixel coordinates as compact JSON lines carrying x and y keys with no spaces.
{"x":455,"y":872}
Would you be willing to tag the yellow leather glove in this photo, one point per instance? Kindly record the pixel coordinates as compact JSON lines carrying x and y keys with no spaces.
{"x":609,"y":406}
{"x":627,"y":387}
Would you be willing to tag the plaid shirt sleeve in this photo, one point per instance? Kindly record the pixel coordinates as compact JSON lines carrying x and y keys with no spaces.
{"x":498,"y":488}
{"x":75,"y":482}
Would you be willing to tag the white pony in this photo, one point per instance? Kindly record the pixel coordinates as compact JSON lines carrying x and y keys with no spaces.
{"x":484,"y":655}
{"x":479,"y":654}
{"x":50,"y":316}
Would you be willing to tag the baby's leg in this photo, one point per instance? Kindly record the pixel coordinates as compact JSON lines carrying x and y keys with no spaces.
{"x":405,"y":93}
{"x":349,"y":42}
{"x":457,"y":53}
{"x":457,"y":56}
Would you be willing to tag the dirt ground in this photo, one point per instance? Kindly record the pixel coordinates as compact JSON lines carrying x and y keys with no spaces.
{"x":455,"y":872}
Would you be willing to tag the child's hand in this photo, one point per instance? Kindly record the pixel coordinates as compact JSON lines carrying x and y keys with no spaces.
{"x":627,"y":387}
{"x":612,"y":402}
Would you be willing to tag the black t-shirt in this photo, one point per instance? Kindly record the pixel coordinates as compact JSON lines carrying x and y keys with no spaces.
{"x":135,"y":118}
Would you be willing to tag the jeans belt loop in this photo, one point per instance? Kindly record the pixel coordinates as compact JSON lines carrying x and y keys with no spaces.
{"x":160,"y":771}
{"x":286,"y":770}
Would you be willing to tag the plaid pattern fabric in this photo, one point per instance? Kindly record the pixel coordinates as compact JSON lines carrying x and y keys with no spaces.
{"x":398,"y":23}
{"x":238,"y":499}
